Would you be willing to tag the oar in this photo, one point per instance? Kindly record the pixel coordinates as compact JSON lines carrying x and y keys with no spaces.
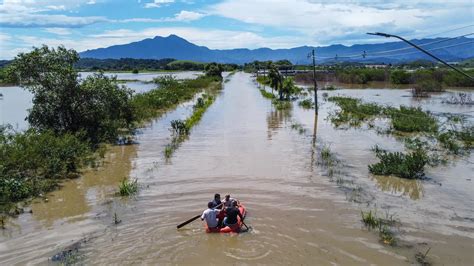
{"x":192,"y":219}
{"x":245,"y":225}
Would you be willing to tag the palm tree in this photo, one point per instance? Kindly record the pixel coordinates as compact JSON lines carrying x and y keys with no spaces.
{"x":288,"y":87}
{"x":275,"y":80}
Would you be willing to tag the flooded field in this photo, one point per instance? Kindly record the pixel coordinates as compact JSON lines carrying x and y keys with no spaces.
{"x":244,"y":146}
{"x":16,"y":101}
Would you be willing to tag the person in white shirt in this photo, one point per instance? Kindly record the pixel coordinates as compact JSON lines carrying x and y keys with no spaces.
{"x":210,"y":215}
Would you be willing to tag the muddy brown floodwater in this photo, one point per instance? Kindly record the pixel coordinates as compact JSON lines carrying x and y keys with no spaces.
{"x":243,"y":146}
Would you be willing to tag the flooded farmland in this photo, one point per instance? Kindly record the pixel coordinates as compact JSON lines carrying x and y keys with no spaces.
{"x":244,"y":146}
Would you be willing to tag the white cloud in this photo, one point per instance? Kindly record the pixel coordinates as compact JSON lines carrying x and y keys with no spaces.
{"x":28,"y":14}
{"x":31,"y":20}
{"x":158,"y":3}
{"x":188,"y":16}
{"x":59,"y":31}
{"x":91,"y":2}
{"x":329,"y":21}
{"x":183,"y":16}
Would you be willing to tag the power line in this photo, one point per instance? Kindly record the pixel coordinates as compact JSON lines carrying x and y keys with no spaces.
{"x":364,"y":53}
{"x":421,"y":49}
{"x":433,"y":49}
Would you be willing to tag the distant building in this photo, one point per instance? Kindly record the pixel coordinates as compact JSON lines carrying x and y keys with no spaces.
{"x":375,"y":66}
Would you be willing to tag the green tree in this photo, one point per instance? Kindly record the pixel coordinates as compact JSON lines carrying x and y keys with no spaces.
{"x":288,"y":87}
{"x":400,"y":77}
{"x":276,"y":80}
{"x":214,"y":70}
{"x":64,"y":103}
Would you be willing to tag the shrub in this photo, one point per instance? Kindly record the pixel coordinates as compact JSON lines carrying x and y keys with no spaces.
{"x":127,"y":188}
{"x":409,"y":166}
{"x":306,"y":104}
{"x":400,"y":77}
{"x":411,"y":119}
{"x":282,"y":105}
{"x":179,"y":127}
{"x":33,"y":161}
{"x":267,"y":94}
{"x":422,"y":88}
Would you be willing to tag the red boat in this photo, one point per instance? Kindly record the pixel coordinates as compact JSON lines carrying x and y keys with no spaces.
{"x":229,"y":229}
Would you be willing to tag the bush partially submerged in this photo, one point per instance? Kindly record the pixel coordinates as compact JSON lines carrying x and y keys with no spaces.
{"x":267,"y":94}
{"x":128,"y":188}
{"x":404,"y":119}
{"x":353,"y":111}
{"x":282,"y":104}
{"x":409,"y":166}
{"x":411,"y":119}
{"x":33,"y":162}
{"x":306,"y":104}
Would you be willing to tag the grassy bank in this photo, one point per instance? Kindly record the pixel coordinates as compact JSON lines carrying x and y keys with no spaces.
{"x":181,"y":129}
{"x":171,"y":93}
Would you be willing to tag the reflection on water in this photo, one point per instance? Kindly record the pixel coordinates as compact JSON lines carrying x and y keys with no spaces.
{"x":78,"y":197}
{"x":400,"y":186}
{"x":276,"y":119}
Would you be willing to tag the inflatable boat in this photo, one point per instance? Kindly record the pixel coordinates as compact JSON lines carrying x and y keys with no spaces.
{"x":235,"y":228}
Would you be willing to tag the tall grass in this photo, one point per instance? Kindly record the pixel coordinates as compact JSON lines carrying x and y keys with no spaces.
{"x":127,"y":188}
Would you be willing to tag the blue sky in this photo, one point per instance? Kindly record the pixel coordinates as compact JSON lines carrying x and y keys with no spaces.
{"x":89,"y":24}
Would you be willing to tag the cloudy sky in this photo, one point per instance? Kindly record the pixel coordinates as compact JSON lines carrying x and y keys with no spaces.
{"x":87,"y":24}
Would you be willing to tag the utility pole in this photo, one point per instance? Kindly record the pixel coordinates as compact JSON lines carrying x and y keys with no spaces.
{"x":315,"y":83}
{"x":421,"y":49}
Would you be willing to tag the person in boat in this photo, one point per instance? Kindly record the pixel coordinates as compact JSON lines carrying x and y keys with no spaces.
{"x":232,"y":213}
{"x":228,"y":201}
{"x":217,"y":200}
{"x":210,"y":215}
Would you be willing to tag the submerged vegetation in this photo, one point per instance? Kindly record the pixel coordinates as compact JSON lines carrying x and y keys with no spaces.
{"x":34,"y":162}
{"x":128,"y":188}
{"x":383,"y":225}
{"x":443,"y":134}
{"x":306,"y":104}
{"x":409,"y":166}
{"x":171,"y":93}
{"x":432,"y":77}
{"x":181,"y":129}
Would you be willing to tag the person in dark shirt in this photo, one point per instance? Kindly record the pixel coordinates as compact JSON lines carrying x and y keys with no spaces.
{"x":217,"y":200}
{"x":231,"y":215}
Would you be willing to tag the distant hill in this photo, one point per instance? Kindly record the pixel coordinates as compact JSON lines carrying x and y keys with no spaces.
{"x":176,"y":47}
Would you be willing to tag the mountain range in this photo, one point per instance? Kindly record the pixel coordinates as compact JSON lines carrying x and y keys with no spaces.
{"x":390,"y":52}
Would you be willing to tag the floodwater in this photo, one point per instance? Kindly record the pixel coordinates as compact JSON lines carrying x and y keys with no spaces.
{"x":243,"y":146}
{"x":16,"y":101}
